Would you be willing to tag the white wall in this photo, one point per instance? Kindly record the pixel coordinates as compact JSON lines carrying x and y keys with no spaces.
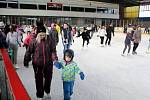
{"x":26,"y":12}
{"x":144,"y":11}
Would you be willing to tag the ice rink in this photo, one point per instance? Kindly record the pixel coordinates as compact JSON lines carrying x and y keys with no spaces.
{"x":109,"y":76}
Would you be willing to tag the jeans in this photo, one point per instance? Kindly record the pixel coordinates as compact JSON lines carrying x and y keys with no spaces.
{"x":68,"y":89}
{"x":67,"y":46}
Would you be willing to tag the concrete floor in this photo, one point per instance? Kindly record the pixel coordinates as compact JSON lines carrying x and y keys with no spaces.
{"x":109,"y":76}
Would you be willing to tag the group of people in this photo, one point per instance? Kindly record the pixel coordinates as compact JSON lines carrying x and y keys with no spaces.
{"x":41,"y":50}
{"x":133,"y":35}
{"x":102,"y":31}
{"x":11,"y":38}
{"x":107,"y":31}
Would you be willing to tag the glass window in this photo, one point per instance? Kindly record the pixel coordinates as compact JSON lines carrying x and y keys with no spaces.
{"x":11,"y":0}
{"x":3,"y":5}
{"x":66,"y":8}
{"x":54,"y":8}
{"x":90,"y":10}
{"x":116,"y":11}
{"x":102,"y":10}
{"x":12,"y":5}
{"x":13,"y":20}
{"x":110,"y":11}
{"x":28,"y":6}
{"x":89,"y":21}
{"x":42,"y":7}
{"x":80,"y":9}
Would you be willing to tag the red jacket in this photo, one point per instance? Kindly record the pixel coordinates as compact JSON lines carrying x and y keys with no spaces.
{"x":27,"y":40}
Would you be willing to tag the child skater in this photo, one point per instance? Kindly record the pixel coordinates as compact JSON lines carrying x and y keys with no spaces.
{"x":102,"y":33}
{"x":127,"y":43}
{"x":69,"y":70}
{"x":85,"y":36}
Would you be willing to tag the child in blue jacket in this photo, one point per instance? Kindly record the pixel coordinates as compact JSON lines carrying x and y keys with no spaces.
{"x":69,"y":70}
{"x":127,"y":43}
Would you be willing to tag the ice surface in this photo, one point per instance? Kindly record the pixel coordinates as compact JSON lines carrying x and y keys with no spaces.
{"x":109,"y":76}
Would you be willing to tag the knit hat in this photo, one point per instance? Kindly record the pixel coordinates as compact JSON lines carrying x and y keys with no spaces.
{"x":40,"y":27}
{"x":69,"y":53}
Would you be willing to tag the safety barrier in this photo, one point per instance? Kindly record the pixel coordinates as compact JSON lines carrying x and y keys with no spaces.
{"x":12,"y":87}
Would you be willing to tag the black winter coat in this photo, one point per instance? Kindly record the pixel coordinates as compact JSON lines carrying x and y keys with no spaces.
{"x":3,"y":43}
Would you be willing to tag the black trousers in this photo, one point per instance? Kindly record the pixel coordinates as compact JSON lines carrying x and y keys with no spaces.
{"x":102,"y":39}
{"x":108,"y":40}
{"x":135,"y":46}
{"x":84,"y":41}
{"x":42,"y":79}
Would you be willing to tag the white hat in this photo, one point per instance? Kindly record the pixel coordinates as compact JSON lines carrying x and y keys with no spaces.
{"x":2,"y":25}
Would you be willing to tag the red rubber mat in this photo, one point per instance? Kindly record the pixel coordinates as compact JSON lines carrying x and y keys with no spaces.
{"x":16,"y":86}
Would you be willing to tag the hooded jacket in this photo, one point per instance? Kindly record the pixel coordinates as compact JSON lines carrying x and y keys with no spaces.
{"x":42,"y":54}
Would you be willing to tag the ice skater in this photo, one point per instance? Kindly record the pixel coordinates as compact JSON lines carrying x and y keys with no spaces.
{"x":66,"y":36}
{"x":127,"y":43}
{"x":102,"y":33}
{"x":136,"y":39}
{"x":108,"y":35}
{"x":69,"y":70}
{"x":85,"y":36}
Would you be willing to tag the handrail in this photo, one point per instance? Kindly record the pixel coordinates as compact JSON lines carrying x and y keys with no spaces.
{"x":15,"y":84}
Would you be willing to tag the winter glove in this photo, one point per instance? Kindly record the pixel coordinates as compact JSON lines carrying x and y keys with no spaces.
{"x":65,"y":41}
{"x":26,"y":65}
{"x":58,"y":64}
{"x":82,"y":75}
